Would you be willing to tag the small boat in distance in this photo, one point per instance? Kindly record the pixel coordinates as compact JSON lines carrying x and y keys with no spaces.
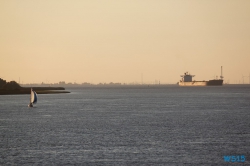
{"x":33,"y":98}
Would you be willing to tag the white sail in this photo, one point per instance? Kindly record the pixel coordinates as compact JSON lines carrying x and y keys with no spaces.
{"x":33,"y":97}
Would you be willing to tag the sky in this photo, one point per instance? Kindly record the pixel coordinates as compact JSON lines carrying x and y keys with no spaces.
{"x":127,"y":41}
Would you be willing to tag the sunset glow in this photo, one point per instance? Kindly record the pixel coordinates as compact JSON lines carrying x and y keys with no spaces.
{"x":124,"y":41}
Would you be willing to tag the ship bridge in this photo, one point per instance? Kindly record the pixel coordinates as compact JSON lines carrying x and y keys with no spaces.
{"x":187,"y":77}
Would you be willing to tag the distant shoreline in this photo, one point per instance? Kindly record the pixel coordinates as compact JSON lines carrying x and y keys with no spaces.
{"x":39,"y":90}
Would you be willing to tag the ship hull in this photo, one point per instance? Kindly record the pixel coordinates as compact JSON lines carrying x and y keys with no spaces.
{"x":214,"y":82}
{"x":202,"y":83}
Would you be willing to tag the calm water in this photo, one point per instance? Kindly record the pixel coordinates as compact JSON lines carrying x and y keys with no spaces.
{"x":127,"y":126}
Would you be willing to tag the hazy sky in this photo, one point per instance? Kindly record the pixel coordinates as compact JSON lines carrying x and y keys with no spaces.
{"x":121,"y":40}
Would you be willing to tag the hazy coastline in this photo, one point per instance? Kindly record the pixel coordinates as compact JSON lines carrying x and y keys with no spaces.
{"x":13,"y":88}
{"x":27,"y":91}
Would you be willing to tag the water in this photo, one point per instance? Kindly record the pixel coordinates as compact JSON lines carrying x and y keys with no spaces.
{"x":127,"y":126}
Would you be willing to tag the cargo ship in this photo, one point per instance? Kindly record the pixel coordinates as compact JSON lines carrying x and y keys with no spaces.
{"x":187,"y":81}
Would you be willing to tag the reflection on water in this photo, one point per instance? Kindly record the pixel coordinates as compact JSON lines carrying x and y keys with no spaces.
{"x":122,"y":126}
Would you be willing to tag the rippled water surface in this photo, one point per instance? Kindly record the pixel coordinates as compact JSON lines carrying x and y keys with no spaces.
{"x":127,"y":126}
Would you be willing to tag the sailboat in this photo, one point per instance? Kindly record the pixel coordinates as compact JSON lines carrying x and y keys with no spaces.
{"x":33,"y":98}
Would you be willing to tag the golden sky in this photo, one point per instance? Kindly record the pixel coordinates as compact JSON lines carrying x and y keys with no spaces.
{"x":123,"y":40}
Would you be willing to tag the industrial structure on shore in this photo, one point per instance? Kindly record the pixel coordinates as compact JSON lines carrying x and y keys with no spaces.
{"x":187,"y":81}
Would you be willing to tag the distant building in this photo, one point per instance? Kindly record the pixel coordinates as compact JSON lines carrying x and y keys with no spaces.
{"x":62,"y":83}
{"x":86,"y":84}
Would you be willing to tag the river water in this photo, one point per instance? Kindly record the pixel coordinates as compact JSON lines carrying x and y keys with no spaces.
{"x":151,"y":125}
